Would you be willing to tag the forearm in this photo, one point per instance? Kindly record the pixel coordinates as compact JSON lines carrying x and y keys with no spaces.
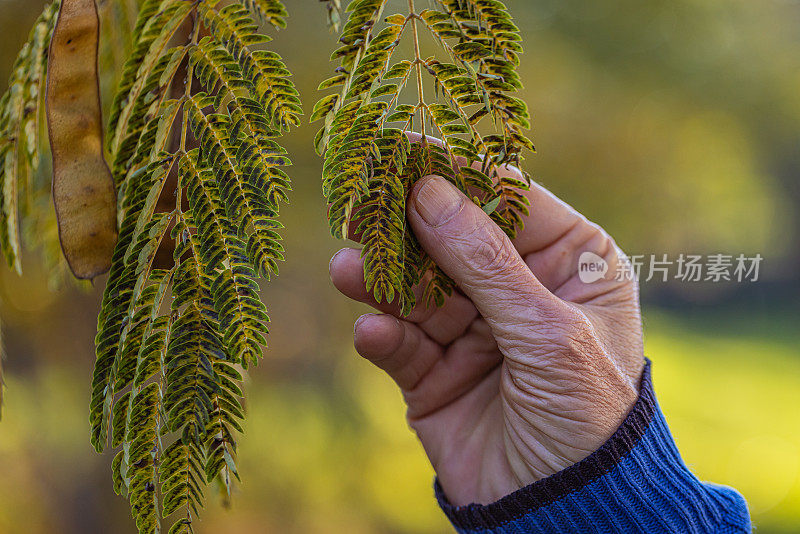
{"x":636,"y":482}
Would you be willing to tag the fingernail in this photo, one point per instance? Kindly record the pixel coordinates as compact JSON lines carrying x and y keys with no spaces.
{"x":361,"y":320}
{"x":437,"y":201}
{"x":330,"y":263}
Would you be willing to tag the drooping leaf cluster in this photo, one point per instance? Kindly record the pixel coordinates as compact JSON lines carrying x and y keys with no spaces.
{"x":25,"y":190}
{"x":192,"y":141}
{"x":117,"y":18}
{"x":369,"y":162}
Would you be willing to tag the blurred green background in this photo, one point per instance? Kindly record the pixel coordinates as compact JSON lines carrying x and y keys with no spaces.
{"x":675,"y":124}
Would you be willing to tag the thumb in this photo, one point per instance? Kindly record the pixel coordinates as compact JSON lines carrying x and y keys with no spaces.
{"x":480,"y":258}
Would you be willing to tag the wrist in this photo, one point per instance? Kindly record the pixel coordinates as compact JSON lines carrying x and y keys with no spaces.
{"x":635,"y":482}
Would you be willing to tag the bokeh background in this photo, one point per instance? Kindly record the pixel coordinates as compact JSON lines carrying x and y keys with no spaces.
{"x":673,"y":123}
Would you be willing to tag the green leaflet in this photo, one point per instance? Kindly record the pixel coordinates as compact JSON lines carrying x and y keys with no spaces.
{"x":492,"y":205}
{"x":20,"y":125}
{"x":161,"y":22}
{"x":265,"y":72}
{"x":268,"y":11}
{"x":334,"y":8}
{"x":175,"y":327}
{"x":369,"y":164}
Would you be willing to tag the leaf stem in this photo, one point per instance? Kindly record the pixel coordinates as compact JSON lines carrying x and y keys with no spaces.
{"x":189,"y":82}
{"x":418,"y":61}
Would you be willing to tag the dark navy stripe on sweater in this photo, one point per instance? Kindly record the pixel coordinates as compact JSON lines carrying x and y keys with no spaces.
{"x":636,"y":482}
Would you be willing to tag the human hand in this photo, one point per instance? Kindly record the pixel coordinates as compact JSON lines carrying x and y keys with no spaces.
{"x":524,"y":371}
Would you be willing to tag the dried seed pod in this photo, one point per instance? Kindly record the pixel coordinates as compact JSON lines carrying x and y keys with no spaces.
{"x":83,"y":189}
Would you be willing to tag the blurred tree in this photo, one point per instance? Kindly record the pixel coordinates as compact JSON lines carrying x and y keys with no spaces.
{"x":635,"y":104}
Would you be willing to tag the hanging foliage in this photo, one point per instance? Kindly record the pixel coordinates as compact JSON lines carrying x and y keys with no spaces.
{"x":192,"y":141}
{"x":25,"y":191}
{"x":197,"y":181}
{"x":370,"y":164}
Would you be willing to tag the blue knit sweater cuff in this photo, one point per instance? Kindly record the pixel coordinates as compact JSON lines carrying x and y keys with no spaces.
{"x":635,"y":482}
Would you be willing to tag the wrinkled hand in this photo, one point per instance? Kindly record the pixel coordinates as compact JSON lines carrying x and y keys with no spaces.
{"x":525,"y":371}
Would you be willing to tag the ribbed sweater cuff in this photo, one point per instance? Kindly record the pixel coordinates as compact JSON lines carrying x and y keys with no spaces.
{"x":635,"y":482}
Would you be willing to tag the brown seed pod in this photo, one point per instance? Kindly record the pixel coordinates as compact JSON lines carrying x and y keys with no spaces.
{"x":83,"y":189}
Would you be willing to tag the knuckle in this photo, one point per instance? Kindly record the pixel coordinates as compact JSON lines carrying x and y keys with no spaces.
{"x":595,"y":236}
{"x":597,"y":240}
{"x":577,"y":337}
{"x":489,"y":251}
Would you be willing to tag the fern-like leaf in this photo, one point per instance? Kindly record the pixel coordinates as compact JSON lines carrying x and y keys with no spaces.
{"x":265,"y":71}
{"x":369,"y":166}
{"x":173,"y":334}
